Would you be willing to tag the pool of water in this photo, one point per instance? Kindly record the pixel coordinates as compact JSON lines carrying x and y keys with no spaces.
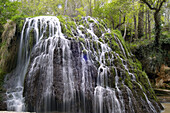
{"x":167,"y":107}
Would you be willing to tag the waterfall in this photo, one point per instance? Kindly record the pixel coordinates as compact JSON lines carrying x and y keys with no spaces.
{"x":75,"y":73}
{"x":36,"y":27}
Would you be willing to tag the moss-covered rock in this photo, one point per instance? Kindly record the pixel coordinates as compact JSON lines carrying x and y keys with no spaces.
{"x":9,"y":48}
{"x":8,"y":55}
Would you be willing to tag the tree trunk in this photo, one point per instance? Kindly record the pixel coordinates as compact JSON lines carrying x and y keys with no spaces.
{"x":149,"y":24}
{"x":131,"y":33}
{"x":135,"y":28}
{"x":135,"y":24}
{"x":112,"y":20}
{"x":95,"y":4}
{"x":119,"y":21}
{"x":65,"y":7}
{"x":90,"y":8}
{"x":146,"y":24}
{"x":140,"y":21}
{"x":157,"y":19}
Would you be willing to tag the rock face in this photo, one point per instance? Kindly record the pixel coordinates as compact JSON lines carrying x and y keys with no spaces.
{"x":8,"y":56}
{"x":79,"y":66}
{"x":9,"y":47}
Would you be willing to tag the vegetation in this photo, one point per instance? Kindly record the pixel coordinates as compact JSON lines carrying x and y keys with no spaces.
{"x":135,"y":18}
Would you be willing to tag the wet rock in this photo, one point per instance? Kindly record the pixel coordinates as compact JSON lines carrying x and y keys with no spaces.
{"x":8,"y":57}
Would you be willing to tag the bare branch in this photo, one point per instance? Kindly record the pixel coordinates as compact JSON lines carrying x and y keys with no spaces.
{"x":149,"y":5}
{"x":161,"y":5}
{"x":121,"y":23}
{"x":157,"y":8}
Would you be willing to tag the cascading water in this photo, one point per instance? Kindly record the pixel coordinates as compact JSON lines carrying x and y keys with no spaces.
{"x":74,"y":70}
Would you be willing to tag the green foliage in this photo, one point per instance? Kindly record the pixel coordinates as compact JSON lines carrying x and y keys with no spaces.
{"x":139,"y":65}
{"x":81,"y":12}
{"x":165,"y":34}
{"x":8,"y":9}
{"x":140,"y":42}
{"x":42,"y":7}
{"x":112,"y":11}
{"x":19,"y":20}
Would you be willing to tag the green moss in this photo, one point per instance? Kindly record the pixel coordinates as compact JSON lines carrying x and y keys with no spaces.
{"x":101,"y":22}
{"x":96,"y":29}
{"x":31,"y":40}
{"x":3,"y":44}
{"x":102,"y":28}
{"x":106,"y":55}
{"x":139,"y":65}
{"x":112,"y":71}
{"x":107,"y":62}
{"x":67,"y":25}
{"x":90,"y":20}
{"x":106,"y":39}
{"x":62,"y":19}
{"x":72,"y":24}
{"x":99,"y":45}
{"x":108,"y":34}
{"x":120,"y":79}
{"x":85,"y":52}
{"x":114,"y":45}
{"x":69,"y":33}
{"x":122,"y":56}
{"x":119,"y":35}
{"x":101,"y":40}
{"x":95,"y":45}
{"x":82,"y":40}
{"x":81,"y":22}
{"x":98,"y":64}
{"x":128,"y":83}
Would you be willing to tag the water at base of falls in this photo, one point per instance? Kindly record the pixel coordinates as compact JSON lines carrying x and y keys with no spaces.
{"x":15,"y":100}
{"x":67,"y":75}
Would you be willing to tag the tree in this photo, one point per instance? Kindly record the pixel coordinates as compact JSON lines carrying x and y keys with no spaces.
{"x":115,"y":11}
{"x":135,"y":21}
{"x":149,"y":24}
{"x":156,"y":5}
{"x":65,"y":6}
{"x":8,"y":9}
{"x":141,"y":21}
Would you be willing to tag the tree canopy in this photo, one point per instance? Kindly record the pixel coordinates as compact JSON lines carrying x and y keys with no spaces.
{"x":135,"y":18}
